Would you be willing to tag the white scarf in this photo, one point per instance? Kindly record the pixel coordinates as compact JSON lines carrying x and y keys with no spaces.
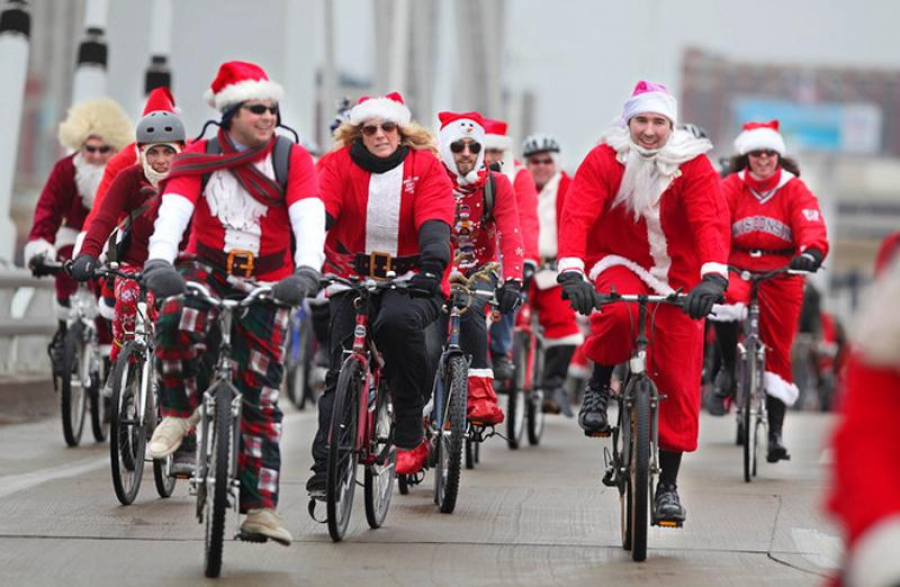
{"x":648,"y":172}
{"x":87,"y":179}
{"x":152,"y":175}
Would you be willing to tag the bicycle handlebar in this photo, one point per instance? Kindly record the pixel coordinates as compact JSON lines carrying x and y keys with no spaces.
{"x":675,"y":299}
{"x":368,"y":284}
{"x":201,"y":292}
{"x":755,"y":275}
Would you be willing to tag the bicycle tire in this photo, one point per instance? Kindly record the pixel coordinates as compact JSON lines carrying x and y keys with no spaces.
{"x":342,"y":451}
{"x":535,"y":411}
{"x":299,"y":387}
{"x":100,"y":407}
{"x":621,"y":435}
{"x":640,"y":470}
{"x":451,"y":435}
{"x":127,"y":436}
{"x":217,"y":500}
{"x":162,"y":477}
{"x":470,"y":454}
{"x":379,"y":478}
{"x":748,"y":420}
{"x":402,"y":484}
{"x":73,"y":400}
{"x":516,"y":411}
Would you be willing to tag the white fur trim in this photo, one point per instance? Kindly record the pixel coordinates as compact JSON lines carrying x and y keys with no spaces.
{"x":66,"y":237}
{"x":659,"y":246}
{"x":728,"y":312}
{"x":308,"y":223}
{"x":877,"y":329}
{"x":655,"y":102}
{"x":548,"y":238}
{"x":383,"y":108}
{"x":717,"y":268}
{"x":383,"y":211}
{"x":107,"y":311}
{"x":778,"y":387}
{"x":486,"y":373}
{"x":579,"y":371}
{"x":39,"y":247}
{"x":759,"y":138}
{"x":501,"y":142}
{"x":250,"y":89}
{"x":873,"y":560}
{"x":570,"y":264}
{"x":608,"y":261}
{"x":462,"y":128}
{"x":571,"y":339}
{"x":175,"y":213}
{"x":79,"y":240}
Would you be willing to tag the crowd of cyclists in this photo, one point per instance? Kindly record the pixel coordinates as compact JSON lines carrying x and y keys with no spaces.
{"x":645,"y":213}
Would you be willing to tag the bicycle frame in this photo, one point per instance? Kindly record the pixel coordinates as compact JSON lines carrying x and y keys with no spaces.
{"x":364,"y":351}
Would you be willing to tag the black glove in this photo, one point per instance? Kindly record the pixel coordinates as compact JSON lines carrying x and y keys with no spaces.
{"x":809,"y":260}
{"x":700,"y":300}
{"x":84,"y":266}
{"x":581,"y":295}
{"x":293,"y":288}
{"x":39,"y":268}
{"x":529,"y":268}
{"x":425,"y":284}
{"x":162,"y":278}
{"x":509,"y":296}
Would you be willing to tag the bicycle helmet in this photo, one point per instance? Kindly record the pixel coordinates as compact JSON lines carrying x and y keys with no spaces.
{"x":160,"y":126}
{"x":695,"y":129}
{"x":539,"y":143}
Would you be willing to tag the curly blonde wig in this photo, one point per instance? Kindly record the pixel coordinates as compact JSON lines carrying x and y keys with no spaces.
{"x":413,"y":135}
{"x":103,"y":118}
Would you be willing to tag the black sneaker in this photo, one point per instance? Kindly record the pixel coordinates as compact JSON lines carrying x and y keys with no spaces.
{"x":777,"y":451}
{"x":315,"y":487}
{"x":503,"y":367}
{"x":592,"y":418}
{"x":723,"y":388}
{"x":667,"y":508}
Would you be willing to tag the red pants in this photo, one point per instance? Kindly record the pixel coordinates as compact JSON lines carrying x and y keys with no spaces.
{"x":779,"y":314}
{"x":557,"y":318}
{"x":127,"y":294}
{"x":674,"y":359}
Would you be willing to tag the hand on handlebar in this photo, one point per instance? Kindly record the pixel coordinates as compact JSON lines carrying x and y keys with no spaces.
{"x":700,"y":300}
{"x":424,"y":284}
{"x":581,"y":293}
{"x":300,"y":284}
{"x":809,"y":260}
{"x":163,"y":279}
{"x":509,"y":296}
{"x":84,"y":266}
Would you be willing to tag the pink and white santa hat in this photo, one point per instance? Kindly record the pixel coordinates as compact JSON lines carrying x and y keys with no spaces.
{"x":495,"y":135}
{"x":649,"y":97}
{"x":457,"y":126}
{"x":239,"y":81}
{"x":760,"y":135}
{"x":389,"y":107}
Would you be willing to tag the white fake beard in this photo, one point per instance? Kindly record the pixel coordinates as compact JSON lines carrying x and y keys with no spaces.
{"x":87,"y":179}
{"x":642,"y":184}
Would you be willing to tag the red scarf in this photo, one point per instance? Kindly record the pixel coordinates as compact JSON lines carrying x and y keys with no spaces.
{"x":765,"y":185}
{"x":262,"y":188}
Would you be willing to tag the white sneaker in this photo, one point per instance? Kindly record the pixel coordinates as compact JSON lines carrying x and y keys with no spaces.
{"x":168,"y":435}
{"x":265,"y":522}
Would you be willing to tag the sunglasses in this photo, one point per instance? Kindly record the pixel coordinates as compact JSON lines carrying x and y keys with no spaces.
{"x":388,"y":127}
{"x":761,"y":152}
{"x":260,"y":109}
{"x":460,"y":146}
{"x":92,"y":149}
{"x":547,"y":161}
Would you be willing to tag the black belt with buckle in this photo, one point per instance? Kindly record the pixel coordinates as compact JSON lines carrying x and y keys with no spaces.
{"x":378,"y":264}
{"x":240,"y":263}
{"x":761,"y":252}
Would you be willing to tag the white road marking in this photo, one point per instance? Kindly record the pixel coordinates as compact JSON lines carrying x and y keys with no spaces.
{"x":15,"y":483}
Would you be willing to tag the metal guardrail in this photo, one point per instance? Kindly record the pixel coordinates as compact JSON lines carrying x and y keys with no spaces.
{"x":27,"y":320}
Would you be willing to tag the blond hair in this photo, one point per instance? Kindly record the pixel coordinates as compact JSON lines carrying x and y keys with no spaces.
{"x":413,"y":135}
{"x":103,"y":118}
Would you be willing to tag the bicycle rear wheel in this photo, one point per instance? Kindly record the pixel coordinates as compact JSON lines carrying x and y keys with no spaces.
{"x":749,"y":412}
{"x":300,"y":368}
{"x":379,"y":477}
{"x":640,"y":470}
{"x":621,"y":436}
{"x":127,"y":434}
{"x":342,"y":450}
{"x":217,"y":474}
{"x":73,"y":396}
{"x":516,"y":393}
{"x":100,"y":405}
{"x":535,"y":411}
{"x":451,"y":435}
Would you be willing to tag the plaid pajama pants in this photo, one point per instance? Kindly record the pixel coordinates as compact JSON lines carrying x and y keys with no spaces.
{"x":186,"y":349}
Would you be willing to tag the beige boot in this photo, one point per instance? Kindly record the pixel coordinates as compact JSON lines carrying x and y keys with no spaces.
{"x":265,"y":522}
{"x":168,"y":435}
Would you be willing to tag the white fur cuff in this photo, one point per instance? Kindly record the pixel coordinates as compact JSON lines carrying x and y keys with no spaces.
{"x":719,"y":268}
{"x":778,"y":387}
{"x":39,"y":247}
{"x":570,"y":264}
{"x":728,"y":312}
{"x":485,"y":373}
{"x":874,"y":560}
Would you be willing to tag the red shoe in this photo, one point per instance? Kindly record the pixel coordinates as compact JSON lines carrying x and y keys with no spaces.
{"x":410,"y":462}
{"x":482,"y":407}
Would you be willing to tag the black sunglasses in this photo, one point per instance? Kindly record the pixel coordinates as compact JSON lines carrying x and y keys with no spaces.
{"x":460,"y":146}
{"x":388,"y":127}
{"x":92,"y":149}
{"x":761,"y":152}
{"x":260,"y":109}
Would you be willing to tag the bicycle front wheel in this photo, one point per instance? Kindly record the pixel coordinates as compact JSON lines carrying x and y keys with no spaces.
{"x":73,"y":396}
{"x":749,"y":413}
{"x":451,"y":434}
{"x":534,"y":406}
{"x":217,"y":474}
{"x":127,"y":434}
{"x":640,"y":470}
{"x":340,"y":483}
{"x":516,"y":394}
{"x":379,"y":476}
{"x":100,"y":406}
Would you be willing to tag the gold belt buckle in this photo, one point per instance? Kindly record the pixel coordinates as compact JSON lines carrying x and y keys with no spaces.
{"x":245,"y":264}
{"x":374,"y":259}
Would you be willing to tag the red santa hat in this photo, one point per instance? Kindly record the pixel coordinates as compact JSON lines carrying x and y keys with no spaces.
{"x":495,"y":135}
{"x":160,"y":99}
{"x":239,"y":81}
{"x":454,"y":127}
{"x":390,"y":107}
{"x":650,"y":97}
{"x":760,"y":135}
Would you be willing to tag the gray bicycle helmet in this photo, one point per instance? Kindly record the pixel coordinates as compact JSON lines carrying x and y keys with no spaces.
{"x":160,"y":126}
{"x":695,"y":129}
{"x":539,"y":143}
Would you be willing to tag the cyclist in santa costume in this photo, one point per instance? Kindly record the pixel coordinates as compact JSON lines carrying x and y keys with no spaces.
{"x":775,"y":221}
{"x":644,"y":214}
{"x":243,"y":216}
{"x":475,"y":235}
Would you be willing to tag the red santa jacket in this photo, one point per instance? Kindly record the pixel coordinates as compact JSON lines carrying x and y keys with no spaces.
{"x":128,"y":192}
{"x":381,"y":212}
{"x":686,"y":238}
{"x":527,"y":202}
{"x":228,"y":219}
{"x":61,"y":210}
{"x":550,"y":206}
{"x":769,"y":226}
{"x":121,"y":160}
{"x":475,"y":241}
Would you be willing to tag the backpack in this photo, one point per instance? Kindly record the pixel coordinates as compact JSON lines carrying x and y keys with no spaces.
{"x":489,"y":198}
{"x":281,"y":160}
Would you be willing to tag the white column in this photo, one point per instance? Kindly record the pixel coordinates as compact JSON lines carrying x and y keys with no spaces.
{"x":15,"y":28}
{"x":298,"y":110}
{"x":90,"y":67}
{"x":158,"y":73}
{"x":400,"y":35}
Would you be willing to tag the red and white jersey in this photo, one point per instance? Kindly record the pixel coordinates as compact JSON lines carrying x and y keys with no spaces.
{"x":225,"y":217}
{"x":772,"y":221}
{"x":382,"y":212}
{"x":683,"y":236}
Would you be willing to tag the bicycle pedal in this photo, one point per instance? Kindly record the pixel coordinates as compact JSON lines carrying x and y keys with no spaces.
{"x":669,"y":524}
{"x":256,"y":537}
{"x":602,"y":434}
